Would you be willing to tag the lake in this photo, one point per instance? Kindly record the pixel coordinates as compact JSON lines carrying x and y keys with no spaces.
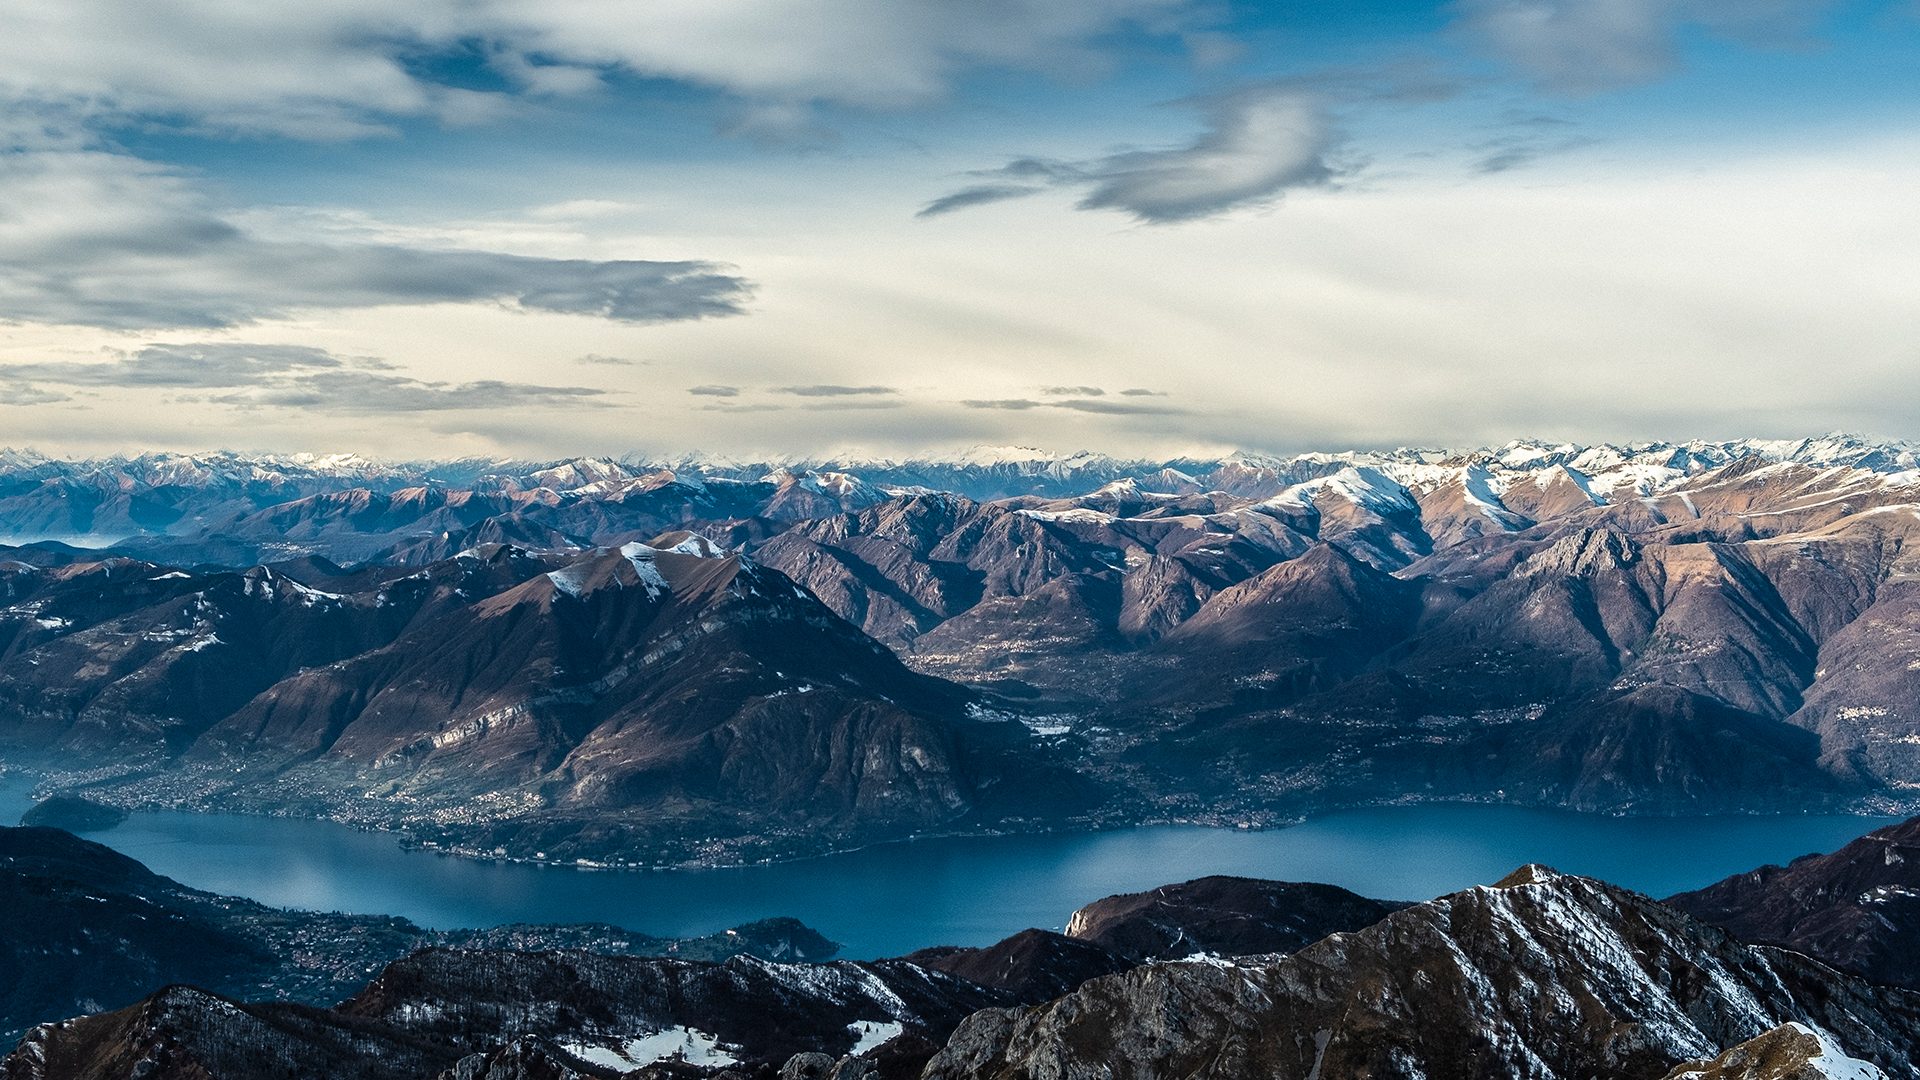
{"x":895,"y":898}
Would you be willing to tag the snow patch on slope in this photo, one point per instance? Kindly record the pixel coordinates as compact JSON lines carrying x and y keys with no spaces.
{"x":672,"y":1044}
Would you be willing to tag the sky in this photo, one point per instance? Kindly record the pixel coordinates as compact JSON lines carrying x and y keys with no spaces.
{"x":556,"y":227}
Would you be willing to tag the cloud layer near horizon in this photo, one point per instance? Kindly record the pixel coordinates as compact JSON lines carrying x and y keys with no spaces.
{"x":286,"y":376}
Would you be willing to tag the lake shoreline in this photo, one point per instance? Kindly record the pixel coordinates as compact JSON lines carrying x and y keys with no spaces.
{"x":409,"y":839}
{"x":891,"y":898}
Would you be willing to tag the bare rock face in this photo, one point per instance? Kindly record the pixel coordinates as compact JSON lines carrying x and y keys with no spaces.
{"x":1032,"y":966}
{"x":1543,"y":974}
{"x":1791,"y":1051}
{"x":807,"y":1066}
{"x":1223,"y":916}
{"x":526,"y":1058}
{"x":1857,"y":908}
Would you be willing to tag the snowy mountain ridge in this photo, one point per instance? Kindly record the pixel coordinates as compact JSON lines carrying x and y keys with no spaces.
{"x":1656,"y":459}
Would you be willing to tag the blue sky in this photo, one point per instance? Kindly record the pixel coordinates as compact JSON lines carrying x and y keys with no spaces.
{"x":502,"y":226}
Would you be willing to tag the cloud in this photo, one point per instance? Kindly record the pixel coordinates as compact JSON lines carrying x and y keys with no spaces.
{"x":1587,"y":46}
{"x":979,"y":195}
{"x":345,"y":68}
{"x":1117,"y":408}
{"x":859,"y":404}
{"x":21,"y":393}
{"x":832,"y":390}
{"x":1525,"y":139}
{"x":610,"y":361}
{"x":362,"y":392}
{"x":1258,"y":143}
{"x":1141,"y":391}
{"x":714,"y":390}
{"x":182,"y":366}
{"x":289,"y":376}
{"x":1085,"y":405}
{"x":1508,"y":154}
{"x":103,"y":239}
{"x":1072,"y":391}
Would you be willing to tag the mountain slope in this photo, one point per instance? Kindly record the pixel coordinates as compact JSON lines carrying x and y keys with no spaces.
{"x":1543,"y":974}
{"x":89,"y":929}
{"x":1857,"y":908}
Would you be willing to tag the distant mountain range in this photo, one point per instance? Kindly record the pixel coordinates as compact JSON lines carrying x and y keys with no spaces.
{"x":1540,"y":974}
{"x":573,"y":662}
{"x":111,"y":499}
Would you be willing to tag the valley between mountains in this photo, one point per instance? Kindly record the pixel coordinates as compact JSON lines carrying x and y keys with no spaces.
{"x":706,"y":662}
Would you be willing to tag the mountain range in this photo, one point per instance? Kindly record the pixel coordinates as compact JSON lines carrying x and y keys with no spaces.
{"x":706,"y":663}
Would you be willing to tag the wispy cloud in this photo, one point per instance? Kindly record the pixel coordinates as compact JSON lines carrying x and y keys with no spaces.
{"x":193,"y":366}
{"x":285,"y":376}
{"x":819,"y":390}
{"x":1525,"y":139}
{"x":1117,"y":408}
{"x":1097,"y":405}
{"x":1586,"y":46}
{"x":102,"y":239}
{"x":21,"y":393}
{"x":365,"y":392}
{"x":1258,"y":143}
{"x":977,"y":195}
{"x":714,"y":390}
{"x":346,"y":68}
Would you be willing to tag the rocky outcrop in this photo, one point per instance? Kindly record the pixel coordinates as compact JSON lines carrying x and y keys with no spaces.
{"x":1031,"y":966}
{"x":1792,"y":1051}
{"x":1542,"y":974}
{"x":1223,"y":916}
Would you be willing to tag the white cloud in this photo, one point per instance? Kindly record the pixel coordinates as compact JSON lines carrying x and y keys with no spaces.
{"x":102,"y":239}
{"x":253,"y":375}
{"x":341,"y":68}
{"x":1584,"y":46}
{"x":1256,"y":146}
{"x":1258,"y":143}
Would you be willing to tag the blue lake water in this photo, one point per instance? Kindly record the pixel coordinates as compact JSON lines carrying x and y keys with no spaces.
{"x":895,"y":898}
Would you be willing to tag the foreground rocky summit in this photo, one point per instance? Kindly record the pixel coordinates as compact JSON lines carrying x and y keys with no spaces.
{"x":1543,"y":974}
{"x":1791,"y":1051}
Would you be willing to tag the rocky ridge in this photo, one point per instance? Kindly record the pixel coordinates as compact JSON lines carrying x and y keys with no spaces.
{"x":1857,"y":908}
